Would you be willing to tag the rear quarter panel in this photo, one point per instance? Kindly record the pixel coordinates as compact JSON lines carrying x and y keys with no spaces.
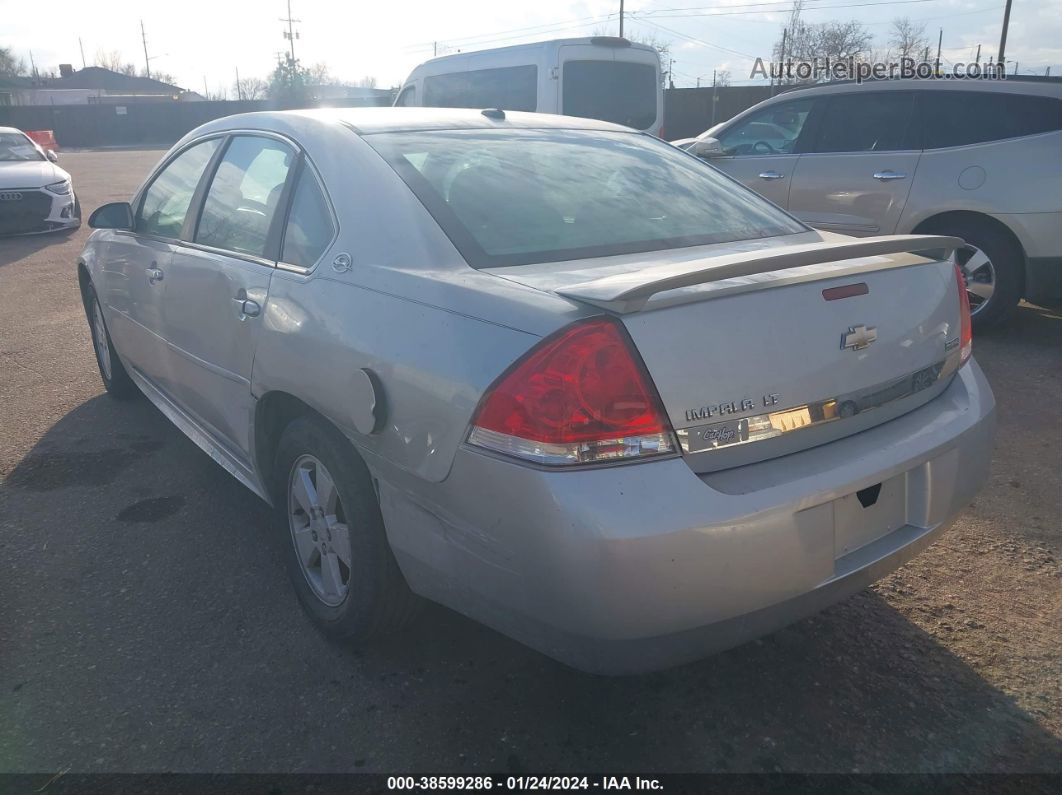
{"x":434,"y":331}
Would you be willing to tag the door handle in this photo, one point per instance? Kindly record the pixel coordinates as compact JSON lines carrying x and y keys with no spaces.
{"x":248,"y":308}
{"x":886,"y":176}
{"x":154,"y":273}
{"x":771,"y":175}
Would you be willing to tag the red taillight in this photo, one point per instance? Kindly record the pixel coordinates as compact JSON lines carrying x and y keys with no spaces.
{"x":578,"y":397}
{"x":965,"y":322}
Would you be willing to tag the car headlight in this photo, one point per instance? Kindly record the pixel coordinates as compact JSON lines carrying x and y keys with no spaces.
{"x":62,"y":188}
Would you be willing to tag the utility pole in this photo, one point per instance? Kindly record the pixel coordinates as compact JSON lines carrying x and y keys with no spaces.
{"x":940,"y":39}
{"x":239,"y":90}
{"x":715,"y":98}
{"x":82,"y":46}
{"x":206,"y":91}
{"x":147,"y":61}
{"x":1003,"y":35}
{"x":434,"y":49}
{"x":977,"y":58}
{"x":781,"y":62}
{"x":33,"y":66}
{"x":621,"y":18}
{"x":291,"y":35}
{"x":925,"y":55}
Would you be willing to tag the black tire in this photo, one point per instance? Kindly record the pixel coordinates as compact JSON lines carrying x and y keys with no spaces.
{"x":113,"y":374}
{"x":377,"y":600}
{"x":1008,"y":263}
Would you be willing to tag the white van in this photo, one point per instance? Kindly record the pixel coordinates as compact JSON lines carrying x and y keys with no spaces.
{"x":602,"y":77}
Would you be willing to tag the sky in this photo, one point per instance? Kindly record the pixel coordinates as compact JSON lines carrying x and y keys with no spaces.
{"x":206,"y":42}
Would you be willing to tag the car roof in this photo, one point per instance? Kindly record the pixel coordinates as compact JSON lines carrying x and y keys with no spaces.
{"x":11,"y":130}
{"x":1022,"y":84}
{"x":368,"y":121}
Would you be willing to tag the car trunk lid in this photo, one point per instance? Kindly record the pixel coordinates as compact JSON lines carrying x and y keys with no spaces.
{"x":759,"y":350}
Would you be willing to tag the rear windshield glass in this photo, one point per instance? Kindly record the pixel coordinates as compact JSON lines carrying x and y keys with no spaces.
{"x":615,"y":91}
{"x":512,"y":197}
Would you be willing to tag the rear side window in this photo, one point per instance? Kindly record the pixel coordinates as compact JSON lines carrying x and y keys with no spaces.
{"x":310,"y":228}
{"x":508,"y":88}
{"x":168,"y":198}
{"x":408,"y":98}
{"x":244,"y":194}
{"x":616,"y":91}
{"x":958,"y":118}
{"x":872,"y":121}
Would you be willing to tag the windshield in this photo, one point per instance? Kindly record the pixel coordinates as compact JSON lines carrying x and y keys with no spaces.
{"x":616,"y":91}
{"x":16,"y":146}
{"x":512,"y":197}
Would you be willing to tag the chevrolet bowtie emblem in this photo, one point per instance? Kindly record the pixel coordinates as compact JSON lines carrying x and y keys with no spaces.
{"x":858,"y":337}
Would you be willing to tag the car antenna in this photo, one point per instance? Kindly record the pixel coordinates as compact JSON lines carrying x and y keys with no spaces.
{"x":493,"y":113}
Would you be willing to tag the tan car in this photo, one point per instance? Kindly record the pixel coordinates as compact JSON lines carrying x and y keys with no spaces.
{"x":975,"y":159}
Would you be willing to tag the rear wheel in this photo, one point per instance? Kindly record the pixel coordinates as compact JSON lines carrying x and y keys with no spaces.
{"x":115,"y":379}
{"x":992,"y":266}
{"x":335,"y":548}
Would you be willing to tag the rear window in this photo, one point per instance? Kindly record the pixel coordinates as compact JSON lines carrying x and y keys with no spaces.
{"x":512,"y":197}
{"x":508,"y":88}
{"x":958,"y":118}
{"x":616,"y":91}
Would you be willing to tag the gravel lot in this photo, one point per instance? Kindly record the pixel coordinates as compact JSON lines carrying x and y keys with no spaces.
{"x":163,"y":636}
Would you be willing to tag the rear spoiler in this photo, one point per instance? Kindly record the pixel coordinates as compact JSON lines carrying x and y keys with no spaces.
{"x":629,"y":292}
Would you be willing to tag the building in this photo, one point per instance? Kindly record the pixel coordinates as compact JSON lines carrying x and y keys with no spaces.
{"x":93,"y":84}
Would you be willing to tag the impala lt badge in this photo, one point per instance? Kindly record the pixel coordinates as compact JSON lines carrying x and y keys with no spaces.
{"x":858,"y":337}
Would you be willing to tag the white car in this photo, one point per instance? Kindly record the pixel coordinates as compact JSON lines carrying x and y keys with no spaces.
{"x":35,"y":194}
{"x":974,"y":159}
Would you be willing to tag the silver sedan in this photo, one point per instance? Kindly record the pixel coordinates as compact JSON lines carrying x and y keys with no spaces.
{"x":553,"y":373}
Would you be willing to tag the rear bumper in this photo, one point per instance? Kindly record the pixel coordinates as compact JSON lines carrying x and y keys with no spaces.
{"x":640,"y":567}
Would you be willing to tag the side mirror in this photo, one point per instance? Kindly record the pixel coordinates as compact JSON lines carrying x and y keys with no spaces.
{"x":52,"y":156}
{"x":706,"y":148}
{"x":116,"y":215}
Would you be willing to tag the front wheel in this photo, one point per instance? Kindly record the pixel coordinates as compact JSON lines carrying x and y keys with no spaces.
{"x":335,"y":547}
{"x":115,"y":378}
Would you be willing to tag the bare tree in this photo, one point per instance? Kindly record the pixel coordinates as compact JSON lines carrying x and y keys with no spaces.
{"x":11,"y":66}
{"x":113,"y":60}
{"x":908,"y":38}
{"x":250,"y":87}
{"x":367,"y":82}
{"x":318,"y":75}
{"x":722,"y":77}
{"x":833,"y":40}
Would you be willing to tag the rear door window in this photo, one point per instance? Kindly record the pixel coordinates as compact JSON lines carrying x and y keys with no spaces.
{"x":244,"y":194}
{"x":616,"y":91}
{"x":408,"y":97}
{"x":959,"y":118}
{"x":167,"y":199}
{"x":507,"y":87}
{"x":309,"y":230}
{"x":871,"y":121}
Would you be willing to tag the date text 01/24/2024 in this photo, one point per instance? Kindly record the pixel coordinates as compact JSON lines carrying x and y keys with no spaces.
{"x":526,"y":782}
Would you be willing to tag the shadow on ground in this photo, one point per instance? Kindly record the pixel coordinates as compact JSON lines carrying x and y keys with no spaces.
{"x":150,"y":627}
{"x":15,"y":248}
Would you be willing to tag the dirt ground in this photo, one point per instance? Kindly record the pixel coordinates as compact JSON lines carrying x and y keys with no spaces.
{"x":169,"y":639}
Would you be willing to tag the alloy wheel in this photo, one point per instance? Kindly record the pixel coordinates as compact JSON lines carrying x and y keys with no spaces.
{"x":979,"y":275}
{"x":319,"y":530}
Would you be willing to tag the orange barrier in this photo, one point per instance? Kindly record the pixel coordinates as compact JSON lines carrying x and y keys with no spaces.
{"x":45,"y":139}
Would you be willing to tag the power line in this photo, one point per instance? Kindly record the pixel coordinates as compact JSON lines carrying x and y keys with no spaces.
{"x":527,"y":30}
{"x":695,"y":40}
